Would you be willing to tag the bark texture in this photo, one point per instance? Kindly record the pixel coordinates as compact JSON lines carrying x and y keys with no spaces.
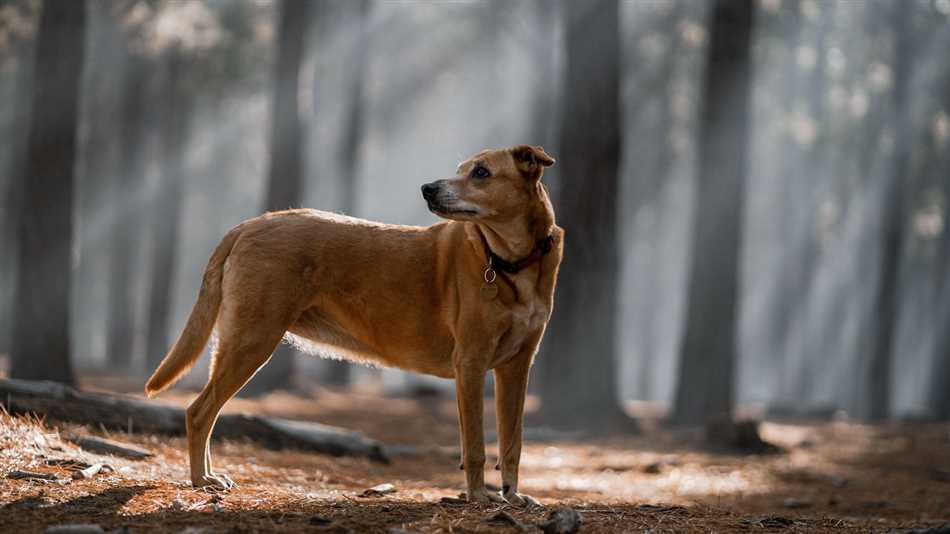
{"x":579,"y":369}
{"x":708,"y":353}
{"x":41,"y":336}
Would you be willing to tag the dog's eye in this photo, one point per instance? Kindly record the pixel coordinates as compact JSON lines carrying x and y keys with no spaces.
{"x":480,"y":172}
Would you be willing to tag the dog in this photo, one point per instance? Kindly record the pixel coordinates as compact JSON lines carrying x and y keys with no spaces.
{"x":456,"y":299}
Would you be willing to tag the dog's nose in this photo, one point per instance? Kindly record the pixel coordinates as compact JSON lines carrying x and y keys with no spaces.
{"x":429,"y":190}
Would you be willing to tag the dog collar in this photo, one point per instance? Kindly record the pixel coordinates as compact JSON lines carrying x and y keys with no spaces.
{"x":541,"y":247}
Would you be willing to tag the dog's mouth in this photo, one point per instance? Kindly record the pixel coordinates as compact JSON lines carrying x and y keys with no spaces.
{"x":440,"y":209}
{"x":445,"y":203}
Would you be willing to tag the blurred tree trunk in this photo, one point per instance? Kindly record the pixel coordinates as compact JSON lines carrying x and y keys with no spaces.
{"x":285,"y":178}
{"x":10,"y":199}
{"x":579,"y":367}
{"x":166,"y":211}
{"x":120,"y":325}
{"x":876,"y":399}
{"x":939,"y":387}
{"x":708,"y":353}
{"x":339,"y":371}
{"x":41,"y":340}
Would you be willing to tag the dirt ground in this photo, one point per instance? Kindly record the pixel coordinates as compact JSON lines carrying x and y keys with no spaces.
{"x":833,"y":476}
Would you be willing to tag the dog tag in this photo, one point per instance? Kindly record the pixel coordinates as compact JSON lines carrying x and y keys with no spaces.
{"x":489,"y":291}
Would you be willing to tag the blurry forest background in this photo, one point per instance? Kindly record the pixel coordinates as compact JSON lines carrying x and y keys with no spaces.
{"x":755,"y":193}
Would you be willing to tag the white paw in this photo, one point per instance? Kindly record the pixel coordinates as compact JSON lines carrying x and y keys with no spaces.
{"x":484,"y":497}
{"x":521,"y":500}
{"x":213,"y":481}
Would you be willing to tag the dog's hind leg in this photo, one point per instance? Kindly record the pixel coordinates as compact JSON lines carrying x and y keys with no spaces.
{"x":239,"y":355}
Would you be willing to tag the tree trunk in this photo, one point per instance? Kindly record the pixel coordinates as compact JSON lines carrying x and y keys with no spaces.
{"x":10,"y":197}
{"x":708,"y":353}
{"x":939,"y":390}
{"x":285,"y":179}
{"x":120,"y":326}
{"x":167,"y":207}
{"x":876,"y":401}
{"x":579,"y":369}
{"x":41,"y":340}
{"x":939,"y":387}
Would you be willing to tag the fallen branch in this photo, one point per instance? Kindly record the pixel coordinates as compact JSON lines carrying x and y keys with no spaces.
{"x":120,"y":412}
{"x":31,"y":475}
{"x":108,"y":446}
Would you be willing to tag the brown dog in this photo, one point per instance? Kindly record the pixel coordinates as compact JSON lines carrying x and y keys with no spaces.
{"x":454,"y":299}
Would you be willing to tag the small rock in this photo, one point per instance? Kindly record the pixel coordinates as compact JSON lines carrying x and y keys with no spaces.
{"x":177,"y":505}
{"x":320,"y":520}
{"x":74,"y":529}
{"x":376,"y":491}
{"x":794,"y":503}
{"x":562,"y":521}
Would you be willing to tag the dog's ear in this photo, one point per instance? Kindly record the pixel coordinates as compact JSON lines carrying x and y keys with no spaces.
{"x":531,"y":160}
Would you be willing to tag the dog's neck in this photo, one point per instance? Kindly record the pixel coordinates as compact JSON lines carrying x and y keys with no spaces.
{"x":516,"y":239}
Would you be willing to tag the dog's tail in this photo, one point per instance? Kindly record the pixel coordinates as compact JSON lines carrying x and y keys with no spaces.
{"x":194,"y":337}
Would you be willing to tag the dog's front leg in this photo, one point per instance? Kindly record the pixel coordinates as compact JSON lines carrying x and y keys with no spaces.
{"x":511,"y":385}
{"x":470,"y":390}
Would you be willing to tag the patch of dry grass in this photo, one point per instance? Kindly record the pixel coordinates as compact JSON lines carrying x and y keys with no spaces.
{"x":836,"y":477}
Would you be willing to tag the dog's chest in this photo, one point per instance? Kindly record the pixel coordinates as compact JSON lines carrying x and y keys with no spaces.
{"x":526,"y":317}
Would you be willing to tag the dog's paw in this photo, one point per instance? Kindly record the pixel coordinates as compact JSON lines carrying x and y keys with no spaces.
{"x":484,"y":497}
{"x":521,"y":500}
{"x":214,"y":482}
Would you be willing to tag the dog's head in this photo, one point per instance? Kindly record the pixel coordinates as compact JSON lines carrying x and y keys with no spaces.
{"x":493,"y":185}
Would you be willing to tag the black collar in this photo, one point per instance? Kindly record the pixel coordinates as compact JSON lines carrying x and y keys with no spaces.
{"x":542,"y":247}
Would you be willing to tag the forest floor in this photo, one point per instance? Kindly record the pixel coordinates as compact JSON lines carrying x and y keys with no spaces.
{"x":832,"y":476}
